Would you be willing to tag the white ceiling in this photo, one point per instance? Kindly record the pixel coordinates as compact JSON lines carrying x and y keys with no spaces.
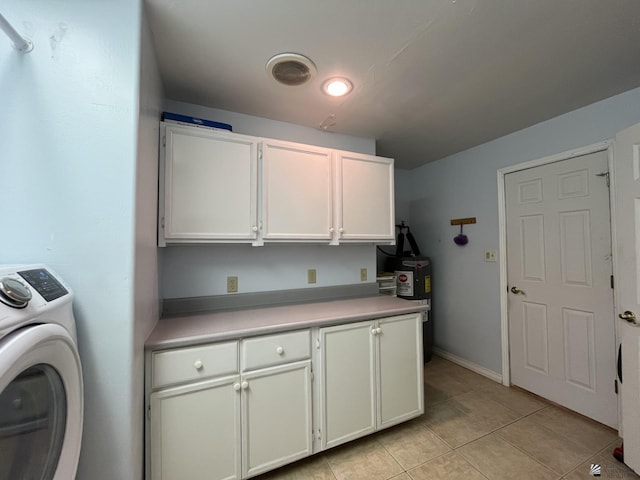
{"x":431,"y":77}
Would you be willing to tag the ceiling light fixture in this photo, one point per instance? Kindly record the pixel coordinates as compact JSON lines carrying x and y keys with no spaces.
{"x":337,"y":86}
{"x":291,"y":69}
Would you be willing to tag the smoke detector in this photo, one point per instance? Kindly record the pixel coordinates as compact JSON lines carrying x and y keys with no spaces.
{"x":291,"y":69}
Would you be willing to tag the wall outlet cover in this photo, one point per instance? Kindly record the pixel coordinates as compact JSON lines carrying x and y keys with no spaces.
{"x":232,"y":284}
{"x":311,"y":275}
{"x":490,"y":255}
{"x":363,"y":274}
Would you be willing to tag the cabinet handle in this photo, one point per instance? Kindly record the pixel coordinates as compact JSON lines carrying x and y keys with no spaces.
{"x":245,"y":385}
{"x":236,"y":387}
{"x":254,"y":228}
{"x":374,"y":331}
{"x":378,"y":331}
{"x":280,"y":351}
{"x":331,"y":230}
{"x":341,"y":230}
{"x":198,"y":364}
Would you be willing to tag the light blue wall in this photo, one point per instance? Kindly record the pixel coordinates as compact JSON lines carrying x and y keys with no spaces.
{"x":466,"y":295}
{"x":202,"y":270}
{"x":68,"y":129}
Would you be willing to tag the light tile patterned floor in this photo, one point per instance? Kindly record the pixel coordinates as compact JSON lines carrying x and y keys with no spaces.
{"x":473,"y":428}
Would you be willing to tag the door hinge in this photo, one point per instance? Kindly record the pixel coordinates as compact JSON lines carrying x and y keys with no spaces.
{"x":312,"y":376}
{"x":319,"y":435}
{"x":615,"y":385}
{"x":164,"y":140}
{"x":149,"y":412}
{"x":318,"y":343}
{"x":611,"y":281}
{"x":162,"y":222}
{"x":605,"y":175}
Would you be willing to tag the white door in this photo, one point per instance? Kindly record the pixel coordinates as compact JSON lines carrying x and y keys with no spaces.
{"x":276,"y":417}
{"x":41,"y":403}
{"x":297,"y":192}
{"x":627,"y":221}
{"x":209,"y":190}
{"x":195,"y":431}
{"x":401,"y":395}
{"x":365,"y":203}
{"x":347,"y":383}
{"x":561,"y":317}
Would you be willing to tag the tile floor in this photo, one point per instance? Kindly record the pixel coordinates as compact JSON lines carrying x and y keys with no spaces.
{"x":473,"y":428}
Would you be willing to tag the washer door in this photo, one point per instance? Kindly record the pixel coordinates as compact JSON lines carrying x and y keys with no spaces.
{"x":41,"y":404}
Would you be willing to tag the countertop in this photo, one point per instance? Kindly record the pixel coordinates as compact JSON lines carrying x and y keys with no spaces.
{"x":196,"y":329}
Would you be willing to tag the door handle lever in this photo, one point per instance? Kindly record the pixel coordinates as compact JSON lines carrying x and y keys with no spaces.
{"x":516,"y":290}
{"x":629,"y":316}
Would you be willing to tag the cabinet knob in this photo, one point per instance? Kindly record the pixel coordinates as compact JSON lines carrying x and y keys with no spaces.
{"x":198,"y":364}
{"x":236,"y":387}
{"x":280,"y":351}
{"x":341,"y":230}
{"x":374,"y":331}
{"x":378,"y":331}
{"x":254,"y":228}
{"x":245,"y":385}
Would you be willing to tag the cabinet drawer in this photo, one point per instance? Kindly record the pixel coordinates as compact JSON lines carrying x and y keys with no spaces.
{"x":194,"y":363}
{"x":275,"y":349}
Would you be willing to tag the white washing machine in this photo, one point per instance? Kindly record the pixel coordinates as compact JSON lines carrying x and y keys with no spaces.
{"x":41,"y":391}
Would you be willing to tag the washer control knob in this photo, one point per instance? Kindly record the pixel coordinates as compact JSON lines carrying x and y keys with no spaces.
{"x":14,"y":293}
{"x":198,"y":364}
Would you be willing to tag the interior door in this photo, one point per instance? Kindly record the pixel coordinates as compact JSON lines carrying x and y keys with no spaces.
{"x":627,"y":221}
{"x":561,"y":316}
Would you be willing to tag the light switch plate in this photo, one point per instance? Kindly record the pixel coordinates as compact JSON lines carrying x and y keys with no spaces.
{"x":490,"y":255}
{"x":311,"y":275}
{"x":363,"y":274}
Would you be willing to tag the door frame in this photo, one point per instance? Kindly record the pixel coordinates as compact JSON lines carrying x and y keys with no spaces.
{"x":606,"y":145}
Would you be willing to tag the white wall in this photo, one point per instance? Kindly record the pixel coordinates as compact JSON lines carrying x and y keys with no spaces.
{"x":68,"y":116}
{"x":466,"y":289}
{"x":146,"y":300}
{"x":202,"y":270}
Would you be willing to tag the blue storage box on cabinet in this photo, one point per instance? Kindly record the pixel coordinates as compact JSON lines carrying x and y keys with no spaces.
{"x":195,"y":121}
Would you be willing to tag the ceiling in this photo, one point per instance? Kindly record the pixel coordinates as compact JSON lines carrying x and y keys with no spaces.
{"x":431,"y":77}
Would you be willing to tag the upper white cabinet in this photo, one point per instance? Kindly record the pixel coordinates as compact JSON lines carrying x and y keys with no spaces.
{"x":208,"y":186}
{"x":219,"y":186}
{"x":296,"y":192}
{"x":364,"y":205}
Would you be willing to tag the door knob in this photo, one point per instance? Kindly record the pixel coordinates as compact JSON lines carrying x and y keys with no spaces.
{"x":516,"y":290}
{"x":629,"y":316}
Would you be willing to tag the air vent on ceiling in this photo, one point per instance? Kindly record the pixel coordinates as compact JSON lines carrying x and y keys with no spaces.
{"x":291,"y":69}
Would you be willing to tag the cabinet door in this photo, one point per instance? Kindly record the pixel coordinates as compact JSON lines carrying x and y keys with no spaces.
{"x":347,"y":383}
{"x":276,"y":417}
{"x":365,"y":197}
{"x":401,"y":381}
{"x":297,"y":192}
{"x":195,"y":431}
{"x":210,"y":185}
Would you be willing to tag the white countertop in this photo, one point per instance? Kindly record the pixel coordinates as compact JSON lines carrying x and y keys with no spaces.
{"x":212,"y":327}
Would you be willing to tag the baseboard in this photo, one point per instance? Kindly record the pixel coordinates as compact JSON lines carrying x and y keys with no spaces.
{"x":485,"y":372}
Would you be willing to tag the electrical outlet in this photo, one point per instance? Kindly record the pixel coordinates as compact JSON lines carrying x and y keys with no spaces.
{"x":311,"y":275}
{"x":363,"y":274}
{"x":490,"y":255}
{"x":232,"y":284}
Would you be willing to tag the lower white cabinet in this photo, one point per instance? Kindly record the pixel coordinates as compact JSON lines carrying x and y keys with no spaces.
{"x":371,"y":377}
{"x":232,"y":426}
{"x":195,"y":431}
{"x":277,"y":419}
{"x":233,"y":410}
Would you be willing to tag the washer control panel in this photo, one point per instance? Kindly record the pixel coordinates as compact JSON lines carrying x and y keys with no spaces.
{"x":44,"y":283}
{"x":17,"y":286}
